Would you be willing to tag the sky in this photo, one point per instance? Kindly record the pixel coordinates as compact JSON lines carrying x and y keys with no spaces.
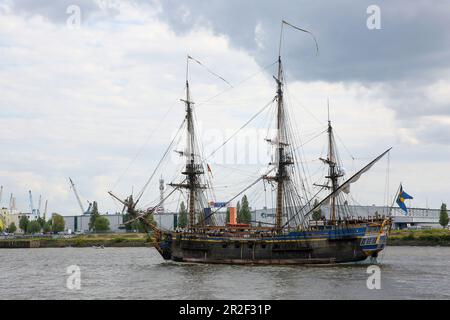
{"x":90,"y":90}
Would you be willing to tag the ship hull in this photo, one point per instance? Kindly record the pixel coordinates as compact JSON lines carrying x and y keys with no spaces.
{"x":296,"y":248}
{"x":322,"y":254}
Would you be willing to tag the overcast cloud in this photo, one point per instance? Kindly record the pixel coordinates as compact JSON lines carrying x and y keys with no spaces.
{"x":83,"y":102}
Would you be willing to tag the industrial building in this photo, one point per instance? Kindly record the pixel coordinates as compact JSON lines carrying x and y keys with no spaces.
{"x":80,"y":223}
{"x":416,"y":217}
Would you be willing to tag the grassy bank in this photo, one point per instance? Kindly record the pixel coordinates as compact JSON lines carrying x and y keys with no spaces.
{"x":432,"y":237}
{"x":91,"y":240}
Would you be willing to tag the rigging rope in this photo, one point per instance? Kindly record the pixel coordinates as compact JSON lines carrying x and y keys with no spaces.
{"x":144,"y":145}
{"x":237,"y":195}
{"x":303,"y":30}
{"x":160,"y":161}
{"x":209,"y":70}
{"x":238,"y":84}
{"x":236,"y":132}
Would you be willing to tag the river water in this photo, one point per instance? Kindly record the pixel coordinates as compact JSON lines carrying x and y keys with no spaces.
{"x":140,"y":273}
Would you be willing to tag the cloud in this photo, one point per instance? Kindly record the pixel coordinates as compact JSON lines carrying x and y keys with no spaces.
{"x":81,"y":103}
{"x":101,"y":103}
{"x":409,"y":55}
{"x":410,"y":42}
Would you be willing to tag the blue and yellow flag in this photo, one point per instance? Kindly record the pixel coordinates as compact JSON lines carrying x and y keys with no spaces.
{"x":402,"y":196}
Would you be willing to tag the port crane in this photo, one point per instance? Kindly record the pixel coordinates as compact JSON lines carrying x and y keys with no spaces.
{"x":39,"y":206}
{"x":72,"y":185}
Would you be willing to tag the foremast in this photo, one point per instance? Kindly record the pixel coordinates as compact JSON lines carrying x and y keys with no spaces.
{"x":193,"y":168}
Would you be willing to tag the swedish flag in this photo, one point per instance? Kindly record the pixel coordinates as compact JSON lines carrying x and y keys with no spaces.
{"x":402,"y":196}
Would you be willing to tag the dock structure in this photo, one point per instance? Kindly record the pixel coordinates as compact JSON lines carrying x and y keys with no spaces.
{"x":19,"y":243}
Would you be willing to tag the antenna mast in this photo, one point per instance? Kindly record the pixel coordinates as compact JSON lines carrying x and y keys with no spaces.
{"x":161,"y":195}
{"x":11,"y":204}
{"x":45,"y":209}
{"x":39,"y":206}
{"x":31,"y":202}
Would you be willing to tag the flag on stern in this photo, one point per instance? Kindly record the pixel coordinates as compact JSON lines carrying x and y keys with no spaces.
{"x":402,"y":196}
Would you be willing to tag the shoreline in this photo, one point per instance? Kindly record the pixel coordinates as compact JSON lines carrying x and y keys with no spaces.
{"x":80,"y":241}
{"x":431,"y":238}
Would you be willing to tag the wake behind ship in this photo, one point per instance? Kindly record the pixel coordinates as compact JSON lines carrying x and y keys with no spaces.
{"x":294,"y":237}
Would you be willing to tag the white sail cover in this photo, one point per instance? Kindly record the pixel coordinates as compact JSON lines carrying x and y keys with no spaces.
{"x":346,"y":184}
{"x":345,"y":187}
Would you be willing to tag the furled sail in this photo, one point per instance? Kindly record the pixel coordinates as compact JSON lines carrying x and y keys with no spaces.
{"x":345,"y":187}
{"x":354,"y":178}
{"x":346,"y":184}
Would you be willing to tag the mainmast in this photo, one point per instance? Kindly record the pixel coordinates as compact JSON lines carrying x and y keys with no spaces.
{"x":281,"y":144}
{"x":284,"y":159}
{"x":280,"y":176}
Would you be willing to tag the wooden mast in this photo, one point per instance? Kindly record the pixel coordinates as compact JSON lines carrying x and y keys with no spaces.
{"x":333,"y":175}
{"x":280,"y":173}
{"x":283,"y":160}
{"x":190,"y":164}
{"x":332,"y":171}
{"x":192,"y":169}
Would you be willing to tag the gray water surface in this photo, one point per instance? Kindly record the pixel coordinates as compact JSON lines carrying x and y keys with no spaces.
{"x":140,"y":273}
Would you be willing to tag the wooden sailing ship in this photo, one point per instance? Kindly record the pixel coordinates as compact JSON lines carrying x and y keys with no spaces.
{"x":294,"y":237}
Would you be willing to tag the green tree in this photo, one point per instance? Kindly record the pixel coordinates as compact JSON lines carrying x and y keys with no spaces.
{"x":227,"y":216}
{"x":94,"y":215}
{"x":244,"y":215}
{"x":128,"y":226}
{"x":33,"y":227}
{"x":12,"y":227}
{"x":47,"y":228}
{"x":135,"y":225}
{"x":58,"y":223}
{"x":41,"y":221}
{"x":238,"y":212}
{"x":23,"y":223}
{"x":101,"y":224}
{"x":317,"y":213}
{"x":182,"y":216}
{"x":443,"y":217}
{"x":148,"y":217}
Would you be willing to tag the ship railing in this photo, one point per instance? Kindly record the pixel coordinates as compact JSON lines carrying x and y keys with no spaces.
{"x":230,"y":231}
